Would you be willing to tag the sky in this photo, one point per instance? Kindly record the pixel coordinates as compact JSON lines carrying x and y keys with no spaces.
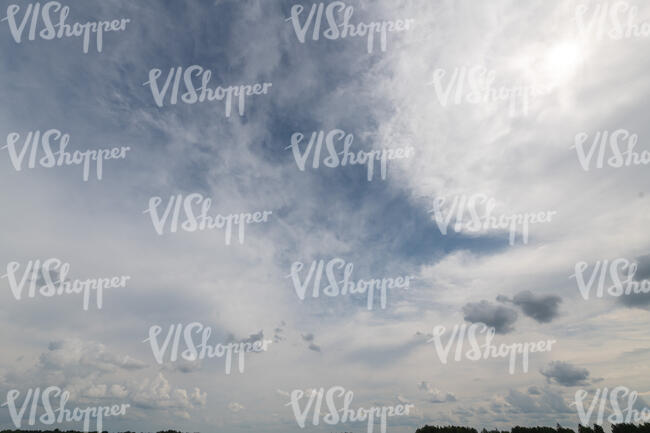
{"x":583,"y":83}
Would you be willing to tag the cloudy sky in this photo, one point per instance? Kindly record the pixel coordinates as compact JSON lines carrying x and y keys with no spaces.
{"x":386,"y":99}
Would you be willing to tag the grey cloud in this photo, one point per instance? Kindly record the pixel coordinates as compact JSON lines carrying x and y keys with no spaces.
{"x":55,"y":345}
{"x":157,"y":393}
{"x":446,"y":398}
{"x":254,"y":337}
{"x":235,"y":407}
{"x":497,"y":316}
{"x":183,"y":366}
{"x":639,"y":300}
{"x":540,"y":401}
{"x":496,"y":407}
{"x":278,"y":333}
{"x":534,"y":390}
{"x":636,"y":300}
{"x":643,"y":270}
{"x":463,"y":412}
{"x":434,"y":395}
{"x":542,"y":308}
{"x":309,"y":338}
{"x":554,"y":401}
{"x":641,"y":351}
{"x":88,"y":371}
{"x":522,"y":402}
{"x":565,"y":374}
{"x":75,"y":354}
{"x":129,"y":363}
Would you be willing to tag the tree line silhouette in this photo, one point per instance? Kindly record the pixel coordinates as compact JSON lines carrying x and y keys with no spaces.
{"x":616,"y":428}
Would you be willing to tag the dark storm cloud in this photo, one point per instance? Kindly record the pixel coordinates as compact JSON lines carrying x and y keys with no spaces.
{"x":497,"y":316}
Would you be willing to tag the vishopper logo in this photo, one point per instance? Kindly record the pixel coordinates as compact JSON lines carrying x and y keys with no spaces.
{"x":190,"y":96}
{"x":475,"y":85}
{"x":61,"y":414}
{"x":487,"y":350}
{"x":51,"y":30}
{"x":611,"y":144}
{"x":343,"y":157}
{"x":621,"y":273}
{"x":338,"y":16}
{"x":198,"y":219}
{"x":34,"y":142}
{"x":480,"y":208}
{"x":315,"y":404}
{"x":203,"y":350}
{"x":627,"y":414}
{"x":614,"y":20}
{"x":343,"y":284}
{"x":45,"y":281}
